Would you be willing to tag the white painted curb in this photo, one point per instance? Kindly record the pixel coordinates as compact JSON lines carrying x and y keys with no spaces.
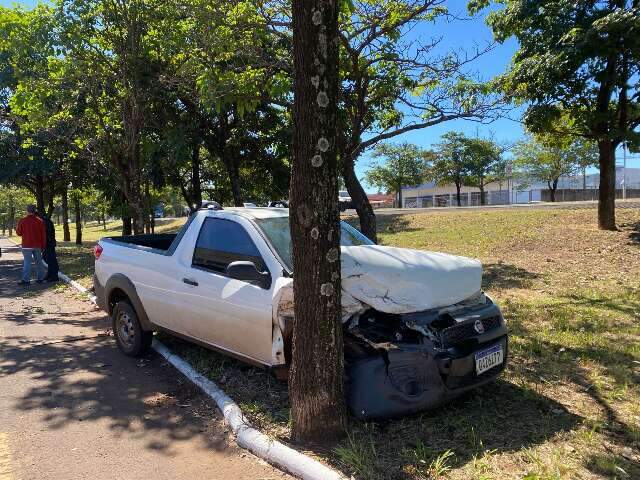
{"x":247,"y":437}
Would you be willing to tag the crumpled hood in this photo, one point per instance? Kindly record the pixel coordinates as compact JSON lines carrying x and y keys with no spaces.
{"x":401,"y":280}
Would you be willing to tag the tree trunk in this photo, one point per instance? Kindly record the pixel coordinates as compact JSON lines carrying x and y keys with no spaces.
{"x":76,"y":207}
{"x":148,"y":209}
{"x":360,"y":200}
{"x":126,"y":225}
{"x":482,"y":198}
{"x":12,"y":215}
{"x":316,"y":373}
{"x":459,"y":200}
{"x":51,"y":197}
{"x":584,"y":180}
{"x":65,"y":215}
{"x":196,"y":185}
{"x":400,"y":197}
{"x":133,"y":194}
{"x":229,"y":160}
{"x":234,"y":178}
{"x":39,"y":192}
{"x":607,"y":191}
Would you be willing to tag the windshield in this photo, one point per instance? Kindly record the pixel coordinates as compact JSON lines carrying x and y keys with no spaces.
{"x":276,"y":230}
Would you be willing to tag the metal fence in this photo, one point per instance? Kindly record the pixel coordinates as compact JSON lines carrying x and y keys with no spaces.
{"x":579,"y":195}
{"x":506,"y":197}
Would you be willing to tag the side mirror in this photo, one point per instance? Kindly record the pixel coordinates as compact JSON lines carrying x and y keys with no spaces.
{"x":247,"y":272}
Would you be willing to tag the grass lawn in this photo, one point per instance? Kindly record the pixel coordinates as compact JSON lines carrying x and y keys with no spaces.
{"x":568,"y":405}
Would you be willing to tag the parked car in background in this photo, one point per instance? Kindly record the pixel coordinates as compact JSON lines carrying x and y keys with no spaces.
{"x":418,"y":330}
{"x":278,"y":204}
{"x":158,"y":211}
{"x":344,"y":200}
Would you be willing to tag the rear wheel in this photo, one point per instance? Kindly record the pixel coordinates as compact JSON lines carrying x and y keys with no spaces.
{"x":132,"y":340}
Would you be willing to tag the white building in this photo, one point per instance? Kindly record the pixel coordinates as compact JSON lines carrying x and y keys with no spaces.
{"x":514,"y":191}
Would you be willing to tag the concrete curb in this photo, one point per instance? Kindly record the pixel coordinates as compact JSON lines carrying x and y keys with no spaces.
{"x":270,"y":450}
{"x":248,"y":437}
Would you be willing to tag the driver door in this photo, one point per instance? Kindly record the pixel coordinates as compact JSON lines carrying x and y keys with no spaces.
{"x":222,"y":311}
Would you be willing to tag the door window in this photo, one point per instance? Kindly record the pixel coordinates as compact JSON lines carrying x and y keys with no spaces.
{"x":221,"y":242}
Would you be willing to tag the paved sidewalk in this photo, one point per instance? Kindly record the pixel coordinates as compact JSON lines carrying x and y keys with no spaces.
{"x":73,"y":407}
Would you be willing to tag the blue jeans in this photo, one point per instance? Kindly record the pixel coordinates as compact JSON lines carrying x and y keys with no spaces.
{"x":36,"y":253}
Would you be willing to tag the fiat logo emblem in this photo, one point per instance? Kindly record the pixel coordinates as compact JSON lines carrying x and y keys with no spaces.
{"x":479,"y":326}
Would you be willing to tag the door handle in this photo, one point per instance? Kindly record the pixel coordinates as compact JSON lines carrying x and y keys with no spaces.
{"x":188,"y":281}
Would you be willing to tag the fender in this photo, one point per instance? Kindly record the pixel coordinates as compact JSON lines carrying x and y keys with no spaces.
{"x":121,"y":282}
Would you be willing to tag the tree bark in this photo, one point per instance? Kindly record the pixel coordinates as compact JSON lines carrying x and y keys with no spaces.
{"x":66,"y":234}
{"x":458,"y":187}
{"x":607,"y":191}
{"x":76,"y":207}
{"x":553,"y":186}
{"x":234,"y":178}
{"x":360,"y":200}
{"x":148,"y":209}
{"x":39,"y":192}
{"x":126,"y":225}
{"x":12,"y":215}
{"x":51,"y":197}
{"x":316,"y":374}
{"x":196,"y":184}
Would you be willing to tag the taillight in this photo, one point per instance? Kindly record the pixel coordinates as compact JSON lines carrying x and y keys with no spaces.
{"x":97,"y":251}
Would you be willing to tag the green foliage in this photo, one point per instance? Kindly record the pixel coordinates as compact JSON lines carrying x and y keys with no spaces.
{"x":450,"y":165}
{"x":548,"y":157}
{"x":12,"y":205}
{"x":462,"y":160}
{"x":578,"y":60}
{"x":403,"y":164}
{"x":391,"y":84}
{"x":483,"y":161}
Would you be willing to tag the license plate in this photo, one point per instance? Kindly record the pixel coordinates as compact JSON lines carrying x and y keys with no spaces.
{"x":489,"y":358}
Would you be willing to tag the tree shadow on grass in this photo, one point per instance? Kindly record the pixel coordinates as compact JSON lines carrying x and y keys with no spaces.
{"x":626,"y":303}
{"x":500,"y":417}
{"x":613,"y":466}
{"x":504,"y":276}
{"x":387,"y":224}
{"x":634,"y":232}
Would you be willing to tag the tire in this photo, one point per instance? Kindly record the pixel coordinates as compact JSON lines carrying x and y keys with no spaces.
{"x":131,"y":339}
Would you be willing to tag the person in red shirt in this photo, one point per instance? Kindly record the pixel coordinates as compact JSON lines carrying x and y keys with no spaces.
{"x":34,"y":240}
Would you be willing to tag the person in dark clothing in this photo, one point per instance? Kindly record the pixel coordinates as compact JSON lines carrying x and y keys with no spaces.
{"x":49,"y":253}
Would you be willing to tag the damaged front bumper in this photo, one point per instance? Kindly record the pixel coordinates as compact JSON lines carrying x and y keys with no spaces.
{"x":403,"y":377}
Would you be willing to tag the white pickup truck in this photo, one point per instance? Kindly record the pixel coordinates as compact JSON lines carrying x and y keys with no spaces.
{"x":418,"y":328}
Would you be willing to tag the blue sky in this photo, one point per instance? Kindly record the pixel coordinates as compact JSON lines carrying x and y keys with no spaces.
{"x":457,"y":35}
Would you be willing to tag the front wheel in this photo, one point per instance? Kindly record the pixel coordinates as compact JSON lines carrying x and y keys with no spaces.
{"x":132,"y":340}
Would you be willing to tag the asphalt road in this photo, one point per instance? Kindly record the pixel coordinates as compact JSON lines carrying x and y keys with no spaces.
{"x":73,"y":407}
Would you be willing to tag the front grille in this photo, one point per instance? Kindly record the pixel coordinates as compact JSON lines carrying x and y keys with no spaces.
{"x":463,"y":331}
{"x":472,"y":378}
